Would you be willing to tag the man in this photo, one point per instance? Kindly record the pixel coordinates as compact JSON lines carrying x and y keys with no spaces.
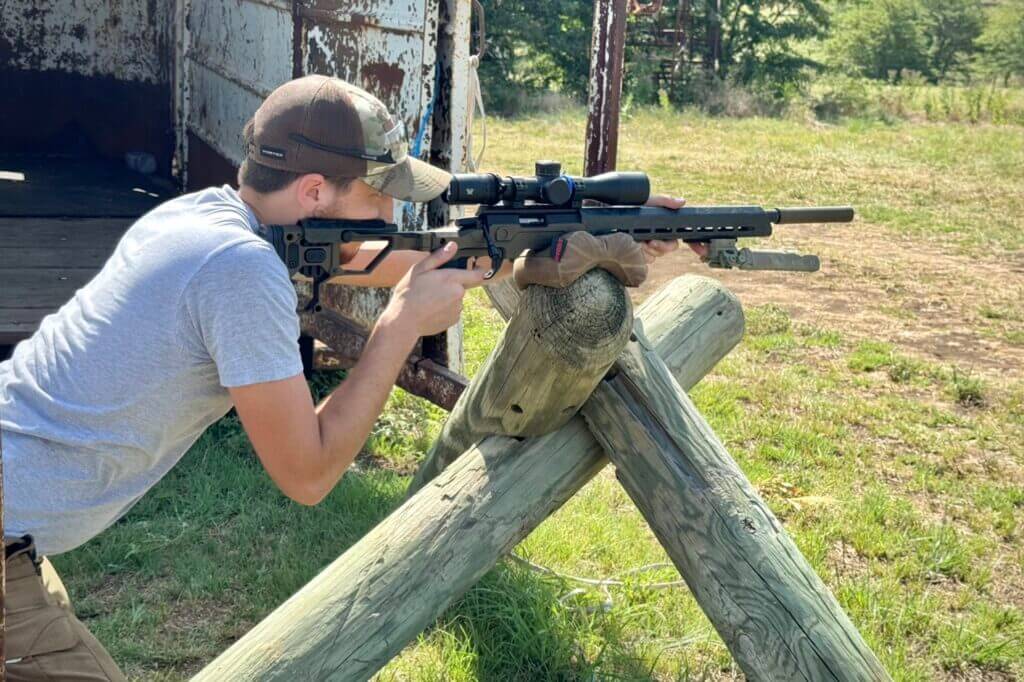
{"x":193,"y":314}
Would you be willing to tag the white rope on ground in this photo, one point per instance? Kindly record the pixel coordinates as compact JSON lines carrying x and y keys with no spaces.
{"x":604,"y":582}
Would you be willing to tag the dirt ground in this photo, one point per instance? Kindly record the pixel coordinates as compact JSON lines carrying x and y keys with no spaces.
{"x":929,"y":301}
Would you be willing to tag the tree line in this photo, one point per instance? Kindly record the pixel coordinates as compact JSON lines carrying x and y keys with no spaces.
{"x":774,"y":48}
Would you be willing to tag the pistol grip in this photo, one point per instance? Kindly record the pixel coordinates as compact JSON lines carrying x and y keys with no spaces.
{"x":460,"y":263}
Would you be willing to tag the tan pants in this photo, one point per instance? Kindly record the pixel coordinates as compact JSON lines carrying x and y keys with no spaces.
{"x":44,"y":639}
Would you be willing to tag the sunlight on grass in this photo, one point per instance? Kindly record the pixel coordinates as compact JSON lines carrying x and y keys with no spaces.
{"x":901,"y":479}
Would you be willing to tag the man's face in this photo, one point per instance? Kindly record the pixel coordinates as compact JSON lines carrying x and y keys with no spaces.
{"x":358,"y":201}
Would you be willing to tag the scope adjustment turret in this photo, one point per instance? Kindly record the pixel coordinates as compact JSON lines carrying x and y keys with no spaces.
{"x":548,"y":169}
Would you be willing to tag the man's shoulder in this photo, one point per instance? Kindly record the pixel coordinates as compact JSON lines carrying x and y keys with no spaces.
{"x":201,"y":228}
{"x":245,"y":256}
{"x":211,"y":207}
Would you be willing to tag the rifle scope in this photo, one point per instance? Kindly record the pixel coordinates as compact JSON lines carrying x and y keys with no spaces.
{"x":549,"y":187}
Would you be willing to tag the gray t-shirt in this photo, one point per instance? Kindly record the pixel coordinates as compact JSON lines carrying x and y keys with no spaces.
{"x":114,"y":387}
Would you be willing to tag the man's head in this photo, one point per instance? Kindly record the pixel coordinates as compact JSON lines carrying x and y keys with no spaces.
{"x":319,"y":146}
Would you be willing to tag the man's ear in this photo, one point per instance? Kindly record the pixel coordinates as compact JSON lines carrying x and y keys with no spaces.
{"x":310,"y":192}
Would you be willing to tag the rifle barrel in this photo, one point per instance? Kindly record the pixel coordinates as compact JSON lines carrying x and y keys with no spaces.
{"x":814,"y":214}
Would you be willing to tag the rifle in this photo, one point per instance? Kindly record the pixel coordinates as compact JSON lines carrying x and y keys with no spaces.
{"x":530,"y":213}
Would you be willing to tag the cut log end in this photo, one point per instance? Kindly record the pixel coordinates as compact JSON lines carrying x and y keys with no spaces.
{"x":558,"y":345}
{"x":585,"y":323}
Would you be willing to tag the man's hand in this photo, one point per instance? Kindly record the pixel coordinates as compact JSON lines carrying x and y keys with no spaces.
{"x":306,"y":449}
{"x":428,"y":300}
{"x":655,"y":248}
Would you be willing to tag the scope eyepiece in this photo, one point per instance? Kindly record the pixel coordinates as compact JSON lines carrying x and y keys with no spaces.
{"x":548,"y":187}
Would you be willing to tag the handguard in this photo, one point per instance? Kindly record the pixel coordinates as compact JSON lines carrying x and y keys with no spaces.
{"x":570,"y":257}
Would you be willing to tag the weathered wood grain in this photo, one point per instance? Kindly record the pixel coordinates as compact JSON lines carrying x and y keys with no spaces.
{"x":62,"y":233}
{"x":557,"y":346}
{"x":46,"y":288}
{"x":43,"y":256}
{"x":372,"y":601}
{"x":80,"y":187}
{"x":504,"y":296}
{"x":19,"y":323}
{"x":778,"y":619}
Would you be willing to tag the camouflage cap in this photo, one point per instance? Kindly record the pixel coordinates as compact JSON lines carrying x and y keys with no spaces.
{"x":318,"y":124}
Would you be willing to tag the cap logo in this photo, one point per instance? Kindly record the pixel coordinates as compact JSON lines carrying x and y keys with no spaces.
{"x":272,"y":152}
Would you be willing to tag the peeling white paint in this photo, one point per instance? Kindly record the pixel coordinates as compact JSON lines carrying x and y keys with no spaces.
{"x":395,"y":15}
{"x":247,"y":42}
{"x":240,"y":50}
{"x":461,"y":97}
{"x":182,"y":88}
{"x":317,"y":37}
{"x":126,"y":39}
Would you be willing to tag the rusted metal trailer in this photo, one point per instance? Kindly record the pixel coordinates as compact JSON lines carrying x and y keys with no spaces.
{"x":112,"y":106}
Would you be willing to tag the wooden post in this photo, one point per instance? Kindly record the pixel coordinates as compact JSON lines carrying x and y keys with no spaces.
{"x":607,"y":53}
{"x":554,"y":351}
{"x":776,"y":616}
{"x":371,"y":602}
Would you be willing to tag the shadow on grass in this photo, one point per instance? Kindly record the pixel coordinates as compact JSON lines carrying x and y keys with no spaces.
{"x":215,"y":547}
{"x":211,"y":550}
{"x":515,"y":629}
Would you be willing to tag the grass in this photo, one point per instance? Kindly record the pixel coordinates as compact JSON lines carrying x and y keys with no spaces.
{"x":916,"y":100}
{"x":923,"y":180}
{"x":899,"y":476}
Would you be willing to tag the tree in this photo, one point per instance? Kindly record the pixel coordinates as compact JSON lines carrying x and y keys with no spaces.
{"x":750,"y":42}
{"x":758,"y":36}
{"x":879,"y":39}
{"x":950,"y":28}
{"x":535,"y":46}
{"x":1003,"y":40}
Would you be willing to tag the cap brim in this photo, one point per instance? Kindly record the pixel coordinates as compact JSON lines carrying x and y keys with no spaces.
{"x":410,"y":180}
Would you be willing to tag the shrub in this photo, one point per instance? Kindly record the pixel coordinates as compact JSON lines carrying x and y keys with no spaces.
{"x":968,"y":390}
{"x":836,"y":96}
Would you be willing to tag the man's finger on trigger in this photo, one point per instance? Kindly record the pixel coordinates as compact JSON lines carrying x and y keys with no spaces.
{"x":467,"y":278}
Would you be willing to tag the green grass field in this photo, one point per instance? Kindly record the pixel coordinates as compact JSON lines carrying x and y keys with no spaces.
{"x":895,"y":462}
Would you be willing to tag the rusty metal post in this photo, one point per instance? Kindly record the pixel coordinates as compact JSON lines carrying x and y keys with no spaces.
{"x":606,"y":58}
{"x":713,"y":51}
{"x":420,"y":376}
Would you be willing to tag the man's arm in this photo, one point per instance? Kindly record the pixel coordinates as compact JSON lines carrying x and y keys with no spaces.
{"x":306,"y":449}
